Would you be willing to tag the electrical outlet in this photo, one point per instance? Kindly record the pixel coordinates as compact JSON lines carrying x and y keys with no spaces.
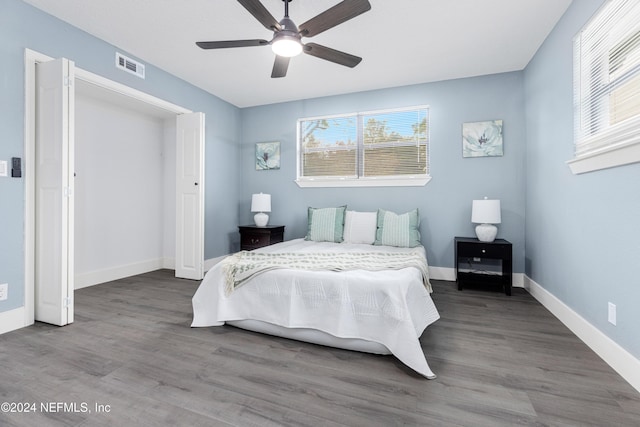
{"x":4,"y":291}
{"x":612,"y":313}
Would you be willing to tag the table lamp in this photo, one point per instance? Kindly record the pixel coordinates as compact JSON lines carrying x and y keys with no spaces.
{"x":261,"y":203}
{"x":486,"y":213}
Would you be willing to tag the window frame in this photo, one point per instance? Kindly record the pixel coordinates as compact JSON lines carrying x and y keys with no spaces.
{"x":357,"y":180}
{"x":616,"y":144}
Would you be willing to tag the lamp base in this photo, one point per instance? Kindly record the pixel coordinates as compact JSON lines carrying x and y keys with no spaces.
{"x":261,"y":219}
{"x":486,"y":232}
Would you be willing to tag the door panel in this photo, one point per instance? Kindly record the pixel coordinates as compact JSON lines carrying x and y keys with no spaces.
{"x":190,"y":196}
{"x":54,"y":192}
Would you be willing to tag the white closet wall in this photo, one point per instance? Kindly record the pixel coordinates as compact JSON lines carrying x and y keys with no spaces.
{"x":169,"y":234}
{"x":123,"y":157}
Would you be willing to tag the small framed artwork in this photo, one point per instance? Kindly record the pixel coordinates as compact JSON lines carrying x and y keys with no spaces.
{"x":267,"y":156}
{"x":482,"y":139}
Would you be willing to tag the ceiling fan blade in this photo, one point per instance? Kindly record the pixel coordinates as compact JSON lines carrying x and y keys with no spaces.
{"x":333,"y":16}
{"x":332,"y":55}
{"x":280,"y":67}
{"x":261,"y":14}
{"x":232,"y":43}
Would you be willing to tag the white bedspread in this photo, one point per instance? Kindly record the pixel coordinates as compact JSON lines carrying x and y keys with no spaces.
{"x":391,"y":307}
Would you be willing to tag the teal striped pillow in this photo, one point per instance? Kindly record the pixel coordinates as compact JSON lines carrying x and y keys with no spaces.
{"x":325,"y":224}
{"x":398,"y":230}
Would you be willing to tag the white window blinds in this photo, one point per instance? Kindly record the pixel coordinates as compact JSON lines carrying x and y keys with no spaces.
{"x":607,"y":79}
{"x":328,"y":147}
{"x":394,"y":143}
{"x":381,"y":144}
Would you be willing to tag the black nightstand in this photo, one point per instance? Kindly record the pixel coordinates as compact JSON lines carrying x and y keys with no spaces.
{"x":254,"y":237}
{"x":470,"y":249}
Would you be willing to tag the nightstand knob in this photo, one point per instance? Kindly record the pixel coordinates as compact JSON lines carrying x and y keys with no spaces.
{"x":484,"y":251}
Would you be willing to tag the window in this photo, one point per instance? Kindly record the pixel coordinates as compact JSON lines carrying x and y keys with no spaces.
{"x":378,"y":148}
{"x":607,"y":88}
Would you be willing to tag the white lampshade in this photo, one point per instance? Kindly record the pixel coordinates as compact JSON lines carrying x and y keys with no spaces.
{"x":261,"y":203}
{"x":486,"y":213}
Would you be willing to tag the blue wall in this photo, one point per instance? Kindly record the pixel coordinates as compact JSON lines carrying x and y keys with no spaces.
{"x":583,"y":268}
{"x":22,"y":26}
{"x":582,"y":233}
{"x":445,"y":202}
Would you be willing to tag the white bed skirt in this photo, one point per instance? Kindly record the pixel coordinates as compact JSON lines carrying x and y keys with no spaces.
{"x":312,"y":336}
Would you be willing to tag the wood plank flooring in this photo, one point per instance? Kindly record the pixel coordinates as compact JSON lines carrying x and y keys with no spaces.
{"x":500,"y":361}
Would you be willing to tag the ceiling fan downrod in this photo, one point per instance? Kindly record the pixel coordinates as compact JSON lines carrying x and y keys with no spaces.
{"x":286,"y":8}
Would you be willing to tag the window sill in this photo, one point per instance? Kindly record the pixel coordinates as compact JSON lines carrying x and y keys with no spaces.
{"x":389,"y":182}
{"x":606,"y":158}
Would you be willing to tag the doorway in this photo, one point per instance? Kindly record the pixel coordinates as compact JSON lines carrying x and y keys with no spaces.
{"x":124,"y":186}
{"x":49,"y":231}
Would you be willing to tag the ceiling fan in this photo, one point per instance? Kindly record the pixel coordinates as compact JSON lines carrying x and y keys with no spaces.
{"x":287,"y":37}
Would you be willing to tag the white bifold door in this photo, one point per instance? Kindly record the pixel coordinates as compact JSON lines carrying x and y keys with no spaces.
{"x":54,"y":188}
{"x":189,"y":196}
{"x":54,"y":270}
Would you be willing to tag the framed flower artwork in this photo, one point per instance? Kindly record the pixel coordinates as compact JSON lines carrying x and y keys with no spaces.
{"x":482,"y":139}
{"x":267,"y":156}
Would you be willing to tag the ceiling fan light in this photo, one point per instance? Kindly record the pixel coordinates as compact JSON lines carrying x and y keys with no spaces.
{"x":287,"y":46}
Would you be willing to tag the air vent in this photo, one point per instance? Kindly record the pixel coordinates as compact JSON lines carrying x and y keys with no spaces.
{"x":129,"y":65}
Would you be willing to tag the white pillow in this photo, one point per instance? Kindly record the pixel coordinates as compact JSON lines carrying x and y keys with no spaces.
{"x":360,"y":227}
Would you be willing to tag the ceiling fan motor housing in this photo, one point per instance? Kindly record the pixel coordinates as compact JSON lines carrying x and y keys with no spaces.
{"x":288,"y":28}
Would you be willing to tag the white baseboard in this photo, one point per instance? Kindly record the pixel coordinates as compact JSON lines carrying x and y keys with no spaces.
{"x":13,"y":319}
{"x":442,"y":273}
{"x":449,"y":274}
{"x":169,"y":263}
{"x":107,"y":275}
{"x":91,"y":278}
{"x":611,"y":352}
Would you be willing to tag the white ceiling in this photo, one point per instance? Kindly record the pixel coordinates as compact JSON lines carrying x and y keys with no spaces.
{"x":401,"y":42}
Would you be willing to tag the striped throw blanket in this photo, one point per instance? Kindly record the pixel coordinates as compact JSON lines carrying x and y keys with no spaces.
{"x":242,"y":266}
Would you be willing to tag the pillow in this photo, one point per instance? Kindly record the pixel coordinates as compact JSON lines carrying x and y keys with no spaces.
{"x":398,"y":230}
{"x":360,"y":227}
{"x":325,"y":224}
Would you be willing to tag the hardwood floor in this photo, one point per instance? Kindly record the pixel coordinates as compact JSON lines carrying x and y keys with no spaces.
{"x":500,"y":361}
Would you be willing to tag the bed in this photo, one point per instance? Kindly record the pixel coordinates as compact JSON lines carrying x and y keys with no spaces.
{"x":381,"y":312}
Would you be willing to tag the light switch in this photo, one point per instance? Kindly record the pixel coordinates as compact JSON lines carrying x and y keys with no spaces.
{"x":3,"y":168}
{"x":16,"y":167}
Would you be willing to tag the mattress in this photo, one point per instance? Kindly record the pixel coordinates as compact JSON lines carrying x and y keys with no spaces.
{"x":389,"y":308}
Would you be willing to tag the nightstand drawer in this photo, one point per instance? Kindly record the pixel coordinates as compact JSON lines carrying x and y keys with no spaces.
{"x":254,"y":241}
{"x":253,"y":237}
{"x":480,"y":250}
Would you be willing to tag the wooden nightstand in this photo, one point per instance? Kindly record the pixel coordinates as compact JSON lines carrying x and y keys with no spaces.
{"x":254,"y":237}
{"x":473,"y":249}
